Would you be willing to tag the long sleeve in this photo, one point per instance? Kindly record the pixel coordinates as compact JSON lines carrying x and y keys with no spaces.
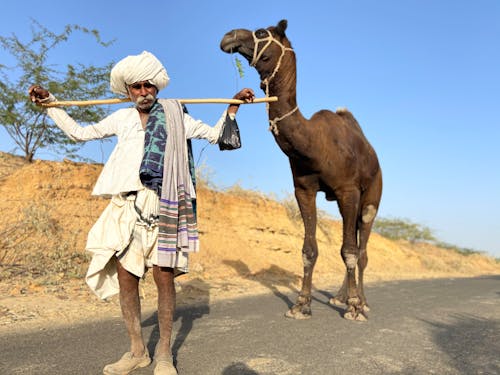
{"x":121,"y":171}
{"x":199,"y":130}
{"x":105,"y":128}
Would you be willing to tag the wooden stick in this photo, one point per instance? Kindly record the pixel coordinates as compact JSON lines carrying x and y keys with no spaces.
{"x":183,"y":101}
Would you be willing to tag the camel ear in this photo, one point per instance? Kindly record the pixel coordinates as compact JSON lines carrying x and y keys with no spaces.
{"x":281,"y":27}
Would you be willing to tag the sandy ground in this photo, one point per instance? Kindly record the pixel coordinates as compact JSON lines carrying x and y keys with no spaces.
{"x":250,"y":244}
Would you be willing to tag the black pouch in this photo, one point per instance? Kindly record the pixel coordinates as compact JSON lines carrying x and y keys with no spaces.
{"x":230,"y":136}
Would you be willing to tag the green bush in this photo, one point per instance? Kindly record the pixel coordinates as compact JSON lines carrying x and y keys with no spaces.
{"x":403,"y":229}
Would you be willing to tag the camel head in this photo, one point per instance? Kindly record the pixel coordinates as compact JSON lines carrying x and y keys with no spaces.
{"x":262,"y":48}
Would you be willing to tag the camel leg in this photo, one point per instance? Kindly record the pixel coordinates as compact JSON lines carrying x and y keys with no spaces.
{"x":370,"y":203}
{"x":307,"y":205}
{"x":364,"y":234}
{"x":349,"y":205}
{"x":340,"y":297}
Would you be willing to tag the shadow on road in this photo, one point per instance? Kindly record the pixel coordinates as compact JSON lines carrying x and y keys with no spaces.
{"x":239,"y":369}
{"x":272,"y":278}
{"x":186,"y":315}
{"x":470,"y":343}
{"x":275,"y":277}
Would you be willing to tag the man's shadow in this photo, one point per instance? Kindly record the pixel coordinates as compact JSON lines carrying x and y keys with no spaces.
{"x":196,"y":289}
{"x":239,"y":369}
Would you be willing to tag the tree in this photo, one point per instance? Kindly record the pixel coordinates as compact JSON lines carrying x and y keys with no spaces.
{"x":403,"y":229}
{"x":28,"y":125}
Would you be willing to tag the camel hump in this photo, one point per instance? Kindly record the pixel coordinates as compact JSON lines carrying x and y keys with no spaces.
{"x":347,"y":116}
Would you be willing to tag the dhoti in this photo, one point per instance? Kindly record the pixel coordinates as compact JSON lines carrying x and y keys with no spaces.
{"x":127,"y":232}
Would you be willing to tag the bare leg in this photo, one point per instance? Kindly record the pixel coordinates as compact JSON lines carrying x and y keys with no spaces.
{"x":131,"y":309}
{"x":164,"y":279}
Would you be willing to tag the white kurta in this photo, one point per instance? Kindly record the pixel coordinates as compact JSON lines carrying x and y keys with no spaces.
{"x":117,"y":231}
{"x":121,"y":172}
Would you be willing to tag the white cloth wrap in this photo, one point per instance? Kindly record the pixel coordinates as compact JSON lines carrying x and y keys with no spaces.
{"x":119,"y":235}
{"x":137,"y":68}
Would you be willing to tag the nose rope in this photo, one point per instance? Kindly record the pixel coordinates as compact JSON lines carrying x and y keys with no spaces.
{"x":273,"y":124}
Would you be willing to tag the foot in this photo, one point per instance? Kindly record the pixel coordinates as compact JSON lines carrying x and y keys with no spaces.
{"x":164,"y":365}
{"x":126,"y":364}
{"x":297,"y":314}
{"x":355,"y":310}
{"x":336,"y":301}
{"x":301,"y":310}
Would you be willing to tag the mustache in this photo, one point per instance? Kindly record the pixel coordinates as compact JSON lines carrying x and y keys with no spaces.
{"x":141,"y":99}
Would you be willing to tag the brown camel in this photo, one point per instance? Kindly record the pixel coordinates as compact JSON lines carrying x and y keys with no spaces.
{"x":327,"y":153}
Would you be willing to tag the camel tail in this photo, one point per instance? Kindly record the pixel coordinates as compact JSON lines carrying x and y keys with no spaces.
{"x":347,"y":116}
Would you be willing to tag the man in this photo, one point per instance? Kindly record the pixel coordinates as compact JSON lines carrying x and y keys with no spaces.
{"x":151,"y":219}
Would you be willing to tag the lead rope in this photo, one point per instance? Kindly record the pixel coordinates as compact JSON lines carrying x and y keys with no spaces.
{"x":273,"y":124}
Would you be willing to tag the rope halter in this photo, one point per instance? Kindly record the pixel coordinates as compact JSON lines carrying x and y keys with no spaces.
{"x":273,"y":124}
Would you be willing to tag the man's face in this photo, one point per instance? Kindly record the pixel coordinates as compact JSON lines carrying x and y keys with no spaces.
{"x":143,"y":94}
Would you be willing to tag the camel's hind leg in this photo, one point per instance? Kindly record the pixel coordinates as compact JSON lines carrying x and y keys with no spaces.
{"x":307,"y":204}
{"x":349,"y":203}
{"x":369,"y":205}
{"x":340,"y":297}
{"x":365,"y":228}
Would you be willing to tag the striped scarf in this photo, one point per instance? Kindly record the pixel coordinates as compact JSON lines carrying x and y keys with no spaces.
{"x":178,"y":229}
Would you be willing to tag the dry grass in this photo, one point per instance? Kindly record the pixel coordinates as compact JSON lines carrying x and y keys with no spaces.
{"x":247,"y":238}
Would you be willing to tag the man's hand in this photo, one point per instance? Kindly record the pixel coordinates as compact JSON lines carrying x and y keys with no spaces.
{"x":39,"y":95}
{"x":246,"y":95}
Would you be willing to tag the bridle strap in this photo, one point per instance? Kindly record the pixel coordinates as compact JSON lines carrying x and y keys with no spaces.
{"x":273,"y":124}
{"x":258,"y":54}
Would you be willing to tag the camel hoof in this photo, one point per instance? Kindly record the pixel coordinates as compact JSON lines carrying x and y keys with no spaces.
{"x":297,"y":315}
{"x":357,"y":317}
{"x":336,"y":302}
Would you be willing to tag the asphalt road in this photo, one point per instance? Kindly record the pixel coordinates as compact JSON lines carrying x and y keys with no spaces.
{"x":444,"y":326}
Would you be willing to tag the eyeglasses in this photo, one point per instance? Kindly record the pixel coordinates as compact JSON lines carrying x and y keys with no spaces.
{"x":138,"y":86}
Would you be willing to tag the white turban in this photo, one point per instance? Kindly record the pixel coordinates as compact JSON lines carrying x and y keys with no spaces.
{"x":137,"y":68}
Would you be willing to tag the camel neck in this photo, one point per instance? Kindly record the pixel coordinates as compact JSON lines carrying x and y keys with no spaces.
{"x":284,"y":87}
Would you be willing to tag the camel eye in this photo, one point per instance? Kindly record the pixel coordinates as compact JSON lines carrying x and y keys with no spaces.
{"x":261,"y":33}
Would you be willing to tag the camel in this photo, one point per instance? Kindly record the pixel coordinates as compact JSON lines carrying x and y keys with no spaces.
{"x":327,"y":153}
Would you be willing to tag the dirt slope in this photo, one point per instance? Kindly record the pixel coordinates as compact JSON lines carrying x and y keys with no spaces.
{"x":248,"y":245}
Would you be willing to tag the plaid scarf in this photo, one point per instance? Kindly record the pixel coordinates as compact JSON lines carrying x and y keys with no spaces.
{"x":166,"y":167}
{"x":155,"y":137}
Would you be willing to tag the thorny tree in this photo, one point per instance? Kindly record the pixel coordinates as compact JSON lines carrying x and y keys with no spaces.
{"x":28,"y":125}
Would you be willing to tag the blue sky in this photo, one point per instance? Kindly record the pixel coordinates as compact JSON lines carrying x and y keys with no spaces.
{"x":421,"y":76}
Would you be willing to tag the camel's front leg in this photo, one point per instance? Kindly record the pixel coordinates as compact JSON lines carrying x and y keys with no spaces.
{"x":340,"y":298}
{"x":307,"y":205}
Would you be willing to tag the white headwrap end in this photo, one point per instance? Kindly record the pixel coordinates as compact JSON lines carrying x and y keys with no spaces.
{"x":137,"y":68}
